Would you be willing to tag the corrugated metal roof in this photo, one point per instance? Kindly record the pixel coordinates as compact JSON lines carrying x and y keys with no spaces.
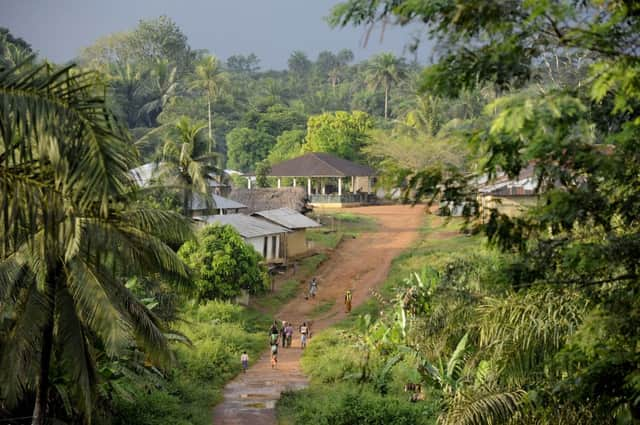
{"x":319,"y":164}
{"x":247,"y":226}
{"x":288,"y":218}
{"x":143,"y":174}
{"x":200,"y":202}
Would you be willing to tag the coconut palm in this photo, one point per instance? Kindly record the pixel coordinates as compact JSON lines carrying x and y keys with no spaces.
{"x":186,"y":159}
{"x":385,"y":70}
{"x":69,"y":227}
{"x":212,"y":79}
{"x":160,"y":87}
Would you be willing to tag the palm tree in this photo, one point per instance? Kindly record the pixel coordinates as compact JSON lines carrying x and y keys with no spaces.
{"x":212,"y":79}
{"x":385,"y":70}
{"x":127,"y":83}
{"x":160,"y":87}
{"x":185,"y":158}
{"x":69,"y":227}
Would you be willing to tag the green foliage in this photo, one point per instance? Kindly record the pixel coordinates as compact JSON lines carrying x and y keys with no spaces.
{"x":72,"y":233}
{"x":247,"y":147}
{"x":219,"y":332}
{"x":339,"y":133}
{"x":263,"y":168}
{"x":288,"y":145}
{"x":348,"y":404}
{"x":224,"y":264}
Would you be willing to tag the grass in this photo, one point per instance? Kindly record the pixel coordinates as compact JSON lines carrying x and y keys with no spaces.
{"x":322,"y":308}
{"x":332,"y":364}
{"x":337,"y":225}
{"x":219,"y":333}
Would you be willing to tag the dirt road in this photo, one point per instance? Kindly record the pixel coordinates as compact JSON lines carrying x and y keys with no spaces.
{"x":358,"y":264}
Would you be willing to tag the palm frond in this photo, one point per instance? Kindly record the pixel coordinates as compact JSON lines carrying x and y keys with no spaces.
{"x":95,"y":306}
{"x":72,"y":339}
{"x":19,"y":351}
{"x":523,"y":329}
{"x":483,"y":408}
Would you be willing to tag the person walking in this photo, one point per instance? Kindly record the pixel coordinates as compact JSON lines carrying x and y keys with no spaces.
{"x":347,"y":300}
{"x":273,"y":333}
{"x":313,"y":287}
{"x":289,"y":334}
{"x":244,"y":359}
{"x":283,"y":333}
{"x":274,"y":355}
{"x":304,"y":330}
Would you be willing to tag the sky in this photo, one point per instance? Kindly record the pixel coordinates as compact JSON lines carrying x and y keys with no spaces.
{"x":272,"y":29}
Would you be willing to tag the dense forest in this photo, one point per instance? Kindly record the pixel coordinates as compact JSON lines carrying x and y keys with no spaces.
{"x":110,"y":313}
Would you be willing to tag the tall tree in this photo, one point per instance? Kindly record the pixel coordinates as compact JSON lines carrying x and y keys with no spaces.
{"x":69,"y":225}
{"x":186,"y":158}
{"x":212,"y":79}
{"x":299,"y":64}
{"x":384,"y":71}
{"x":246,"y":147}
{"x":159,"y":87}
{"x":340,"y":133}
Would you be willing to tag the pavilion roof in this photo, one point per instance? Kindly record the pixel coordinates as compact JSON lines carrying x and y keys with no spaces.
{"x":318,"y":164}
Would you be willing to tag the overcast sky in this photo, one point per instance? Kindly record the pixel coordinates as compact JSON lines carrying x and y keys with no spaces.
{"x":271,"y":29}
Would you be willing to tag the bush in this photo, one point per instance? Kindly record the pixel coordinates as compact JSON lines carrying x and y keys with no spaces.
{"x":348,"y":404}
{"x":219,"y":332}
{"x":224,"y":264}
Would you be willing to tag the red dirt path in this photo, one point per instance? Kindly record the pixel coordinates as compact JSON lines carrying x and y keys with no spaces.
{"x":359,"y":264}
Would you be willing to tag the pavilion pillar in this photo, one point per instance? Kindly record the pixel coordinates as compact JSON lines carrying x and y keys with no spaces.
{"x":353,"y":184}
{"x":294,"y":182}
{"x":322,"y":187}
{"x":309,"y":186}
{"x":279,"y":181}
{"x":248,"y":182}
{"x":339,"y":186}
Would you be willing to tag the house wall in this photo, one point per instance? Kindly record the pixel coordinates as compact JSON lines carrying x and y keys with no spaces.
{"x":363,"y":184}
{"x":510,"y":205}
{"x":272,"y":248}
{"x":296,"y":243}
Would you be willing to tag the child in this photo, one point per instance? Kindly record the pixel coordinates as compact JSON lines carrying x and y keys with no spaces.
{"x":304,"y":329}
{"x":244,"y":359}
{"x":274,"y":355}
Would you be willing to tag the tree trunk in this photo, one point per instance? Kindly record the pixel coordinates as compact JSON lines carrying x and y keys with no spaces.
{"x":386,"y":101}
{"x":42,"y":389}
{"x":209,"y":114}
{"x":186,"y":202}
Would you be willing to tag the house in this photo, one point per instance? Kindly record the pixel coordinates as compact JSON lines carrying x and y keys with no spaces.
{"x":213,"y":203}
{"x":296,"y":223}
{"x":266,"y":238}
{"x":330,"y":181}
{"x":261,"y":199}
{"x":510,"y":196}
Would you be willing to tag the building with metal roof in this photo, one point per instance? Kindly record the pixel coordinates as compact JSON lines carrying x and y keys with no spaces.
{"x":265,"y":237}
{"x":288,"y":218}
{"x":295,"y":241}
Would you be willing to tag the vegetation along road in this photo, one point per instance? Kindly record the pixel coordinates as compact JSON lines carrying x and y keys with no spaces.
{"x":358,"y":264}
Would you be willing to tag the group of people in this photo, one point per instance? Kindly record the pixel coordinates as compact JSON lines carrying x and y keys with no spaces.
{"x":284,"y":334}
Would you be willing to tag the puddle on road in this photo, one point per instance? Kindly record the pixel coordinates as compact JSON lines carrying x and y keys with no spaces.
{"x":271,"y":404}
